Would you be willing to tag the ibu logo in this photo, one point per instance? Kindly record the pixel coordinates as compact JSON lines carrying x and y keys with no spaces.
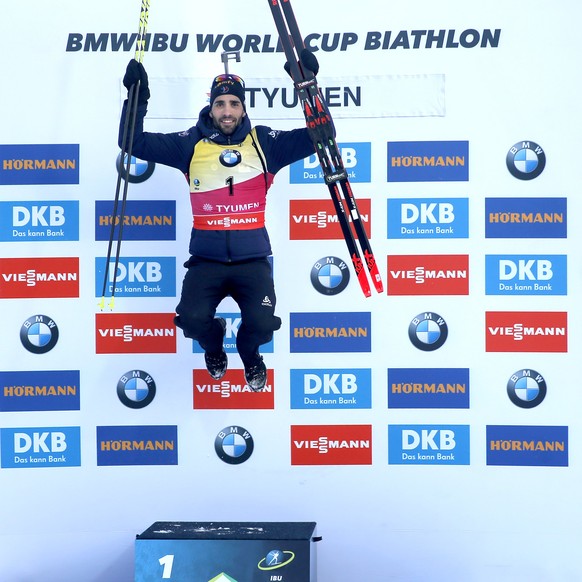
{"x":40,"y":447}
{"x":526,"y":274}
{"x":337,"y":388}
{"x":356,"y":157}
{"x":428,"y":218}
{"x":428,"y":445}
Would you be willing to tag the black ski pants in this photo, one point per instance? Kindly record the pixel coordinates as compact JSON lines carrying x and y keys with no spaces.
{"x":249,"y":283}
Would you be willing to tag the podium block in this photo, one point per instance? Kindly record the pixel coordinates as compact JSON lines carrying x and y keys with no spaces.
{"x":226,"y":552}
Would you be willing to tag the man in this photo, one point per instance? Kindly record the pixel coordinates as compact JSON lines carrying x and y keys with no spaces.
{"x":229,"y":167}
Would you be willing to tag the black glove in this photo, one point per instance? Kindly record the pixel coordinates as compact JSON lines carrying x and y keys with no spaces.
{"x":135,"y":72}
{"x":307,"y":60}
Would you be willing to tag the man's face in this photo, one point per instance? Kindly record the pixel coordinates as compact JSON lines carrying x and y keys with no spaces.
{"x":226,"y":113}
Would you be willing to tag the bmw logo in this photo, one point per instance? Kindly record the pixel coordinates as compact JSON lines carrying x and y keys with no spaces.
{"x":136,"y":389}
{"x":39,"y":334}
{"x":428,"y":331}
{"x":139,"y":170}
{"x":330,"y":276}
{"x":526,"y":388}
{"x":234,"y":445}
{"x":230,"y":158}
{"x":525,"y":160}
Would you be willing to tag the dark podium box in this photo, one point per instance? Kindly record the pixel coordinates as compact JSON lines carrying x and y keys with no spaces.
{"x":226,"y":552}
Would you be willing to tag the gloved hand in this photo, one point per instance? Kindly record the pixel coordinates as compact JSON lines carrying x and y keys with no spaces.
{"x":135,"y":72}
{"x":307,"y":60}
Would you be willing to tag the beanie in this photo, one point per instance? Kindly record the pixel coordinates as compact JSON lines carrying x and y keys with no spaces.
{"x":227,"y":85}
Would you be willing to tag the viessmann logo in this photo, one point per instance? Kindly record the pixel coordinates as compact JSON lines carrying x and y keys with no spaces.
{"x":331,"y":444}
{"x":428,"y":161}
{"x":526,"y":331}
{"x":39,"y":164}
{"x":39,"y":277}
{"x":317,"y":219}
{"x":428,"y":275}
{"x":132,"y":333}
{"x":231,"y":392}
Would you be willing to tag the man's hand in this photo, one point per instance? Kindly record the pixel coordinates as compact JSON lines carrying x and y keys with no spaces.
{"x":135,"y":72}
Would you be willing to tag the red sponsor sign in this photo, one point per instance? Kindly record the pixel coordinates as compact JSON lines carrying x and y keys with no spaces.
{"x":428,"y":275}
{"x":135,"y":333}
{"x":526,"y":331}
{"x":317,"y":219}
{"x":39,"y":277}
{"x":331,"y":444}
{"x":231,"y":392}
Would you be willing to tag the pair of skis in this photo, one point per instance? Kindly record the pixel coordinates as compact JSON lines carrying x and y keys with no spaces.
{"x":300,"y":66}
{"x":118,"y":213}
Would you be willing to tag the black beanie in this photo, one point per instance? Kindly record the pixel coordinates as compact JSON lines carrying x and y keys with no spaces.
{"x":227,"y":85}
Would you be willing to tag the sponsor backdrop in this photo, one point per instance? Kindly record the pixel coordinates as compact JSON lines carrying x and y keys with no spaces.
{"x":431,"y":431}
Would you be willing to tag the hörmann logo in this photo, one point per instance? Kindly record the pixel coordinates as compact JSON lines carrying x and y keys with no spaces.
{"x":231,"y":392}
{"x":317,"y":219}
{"x":35,"y":222}
{"x":331,"y":444}
{"x":411,"y":218}
{"x":526,"y":274}
{"x":428,"y":275}
{"x":428,"y":161}
{"x":526,"y":331}
{"x":134,"y":333}
{"x":540,"y":446}
{"x":355,"y":156}
{"x":137,"y":445}
{"x":330,"y":332}
{"x":428,"y":388}
{"x":35,"y":390}
{"x":39,"y":277}
{"x":143,"y":220}
{"x":39,"y":164}
{"x":526,"y":218}
{"x":428,"y":445}
{"x":331,"y":388}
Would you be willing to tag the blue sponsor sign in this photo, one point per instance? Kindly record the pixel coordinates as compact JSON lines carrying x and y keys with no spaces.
{"x":411,"y":218}
{"x":35,"y":221}
{"x":40,"y":447}
{"x":428,"y":388}
{"x":526,"y":218}
{"x":138,"y":277}
{"x":428,"y":161}
{"x":434,"y":444}
{"x":357,"y":159}
{"x":39,"y":164}
{"x":144,"y":220}
{"x":330,"y":332}
{"x":526,"y":275}
{"x":539,"y":446}
{"x":36,"y":390}
{"x":331,"y":388}
{"x":233,"y":321}
{"x":137,"y":445}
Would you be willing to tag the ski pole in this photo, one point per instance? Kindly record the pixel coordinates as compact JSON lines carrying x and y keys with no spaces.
{"x":125,"y":158}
